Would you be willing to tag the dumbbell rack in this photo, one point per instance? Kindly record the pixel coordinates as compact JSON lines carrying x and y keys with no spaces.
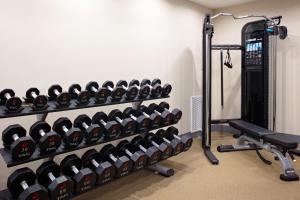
{"x":42,"y":115}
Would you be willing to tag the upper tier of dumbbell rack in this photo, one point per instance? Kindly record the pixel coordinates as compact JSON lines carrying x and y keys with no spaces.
{"x":73,"y":106}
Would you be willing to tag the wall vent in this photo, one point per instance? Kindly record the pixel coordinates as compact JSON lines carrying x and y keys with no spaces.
{"x":196,"y":113}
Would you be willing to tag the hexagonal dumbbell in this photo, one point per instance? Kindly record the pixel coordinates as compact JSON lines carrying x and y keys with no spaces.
{"x":14,"y":139}
{"x":104,"y":170}
{"x":153,"y":154}
{"x":22,"y":185}
{"x":112,"y":128}
{"x":93,"y":132}
{"x":128,"y":125}
{"x":72,"y":137}
{"x":39,"y":102}
{"x":100,"y":94}
{"x":10,"y":101}
{"x":156,"y":119}
{"x":165,"y":148}
{"x":116,"y":93}
{"x":122,"y":164}
{"x":62,"y":98}
{"x":167,"y":117}
{"x":48,"y":140}
{"x":176,"y":144}
{"x":155,"y":90}
{"x":82,"y":97}
{"x":84,"y":178}
{"x":142,"y":122}
{"x":144,"y":90}
{"x":164,"y":106}
{"x":131,"y":91}
{"x":59,"y":187}
{"x":187,"y":140}
{"x":166,"y":88}
{"x":139,"y":159}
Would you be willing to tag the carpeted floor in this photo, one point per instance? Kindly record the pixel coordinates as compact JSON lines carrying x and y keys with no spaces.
{"x":239,"y":176}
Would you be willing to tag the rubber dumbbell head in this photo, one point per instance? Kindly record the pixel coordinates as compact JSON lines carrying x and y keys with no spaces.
{"x":99,"y":94}
{"x":187,"y":140}
{"x":48,"y":140}
{"x":59,"y":186}
{"x":156,"y":120}
{"x":153,"y":154}
{"x":104,"y":170}
{"x":115,"y":93}
{"x":21,"y":146}
{"x":112,"y":128}
{"x":131,"y":91}
{"x":82,"y":97}
{"x":84,"y":179}
{"x":167,"y":117}
{"x":12,"y":103}
{"x":176,"y":144}
{"x":22,"y":185}
{"x":138,"y":157}
{"x":93,"y":132}
{"x":142,"y":122}
{"x":72,"y":137}
{"x":144,"y":90}
{"x":165,"y":148}
{"x":164,"y":106}
{"x":122,"y":164}
{"x":156,"y":89}
{"x":38,"y":101}
{"x":166,"y":89}
{"x":62,"y":98}
{"x":128,"y":125}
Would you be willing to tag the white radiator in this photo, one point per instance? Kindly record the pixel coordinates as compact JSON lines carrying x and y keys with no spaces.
{"x":196,"y":113}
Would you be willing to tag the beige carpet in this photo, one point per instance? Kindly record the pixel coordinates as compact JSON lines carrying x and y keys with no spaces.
{"x":239,"y":176}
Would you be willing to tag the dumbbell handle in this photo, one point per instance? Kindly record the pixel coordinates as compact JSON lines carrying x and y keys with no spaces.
{"x":119,"y":120}
{"x":65,"y":129}
{"x":157,"y":112}
{"x":166,"y":140}
{"x":94,"y":89}
{"x":76,"y":91}
{"x":103,"y":122}
{"x":7,"y":96}
{"x":109,"y":88}
{"x":56,"y":92}
{"x":51,"y":176}
{"x":138,"y":87}
{"x":24,"y":185}
{"x":144,"y":113}
{"x":133,"y":117}
{"x":95,"y":163}
{"x":85,"y":125}
{"x":33,"y":94}
{"x":177,"y":137}
{"x":42,"y":132}
{"x":154,"y":143}
{"x":142,"y":148}
{"x":125,"y":88}
{"x":74,"y":169}
{"x":113,"y":157}
{"x":15,"y":137}
{"x":128,"y":152}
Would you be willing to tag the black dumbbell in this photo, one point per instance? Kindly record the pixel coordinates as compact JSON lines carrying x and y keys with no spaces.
{"x":153,"y":154}
{"x":187,"y":140}
{"x":122,"y":164}
{"x":21,"y":146}
{"x":142,"y":122}
{"x":12,"y":103}
{"x":144,"y":90}
{"x":166,"y":89}
{"x":156,"y":119}
{"x":48,"y":140}
{"x":176,"y":144}
{"x":82,"y":97}
{"x":164,"y":106}
{"x":167,"y":117}
{"x":165,"y":148}
{"x":93,"y":132}
{"x":138,"y":157}
{"x":39,"y":102}
{"x":22,"y":185}
{"x":116,"y":93}
{"x":59,"y":187}
{"x":112,"y":128}
{"x":62,"y":98}
{"x":100,"y":95}
{"x":155,"y":90}
{"x":104,"y":170}
{"x":84,"y":178}
{"x":131,"y":91}
{"x":72,"y":137}
{"x":128,"y":125}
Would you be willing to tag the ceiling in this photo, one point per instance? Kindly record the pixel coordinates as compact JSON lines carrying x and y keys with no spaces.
{"x":214,"y":4}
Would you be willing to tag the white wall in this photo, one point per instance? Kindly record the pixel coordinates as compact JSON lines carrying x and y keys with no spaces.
{"x":288,"y":93}
{"x":67,"y":41}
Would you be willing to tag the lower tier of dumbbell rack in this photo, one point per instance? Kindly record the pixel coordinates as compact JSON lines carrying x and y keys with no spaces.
{"x":61,"y":150}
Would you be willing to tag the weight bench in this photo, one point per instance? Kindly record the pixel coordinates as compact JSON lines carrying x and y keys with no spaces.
{"x":257,"y":138}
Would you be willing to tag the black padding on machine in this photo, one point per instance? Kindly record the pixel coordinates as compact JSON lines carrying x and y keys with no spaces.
{"x":281,"y":140}
{"x":250,"y":129}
